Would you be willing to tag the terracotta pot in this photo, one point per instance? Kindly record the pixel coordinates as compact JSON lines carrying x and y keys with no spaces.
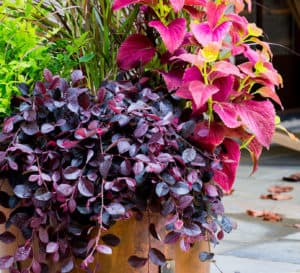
{"x":8,"y":249}
{"x":135,"y":238}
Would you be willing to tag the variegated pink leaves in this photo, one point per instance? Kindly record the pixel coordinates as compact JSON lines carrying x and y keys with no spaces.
{"x":136,"y":50}
{"x":172,"y":34}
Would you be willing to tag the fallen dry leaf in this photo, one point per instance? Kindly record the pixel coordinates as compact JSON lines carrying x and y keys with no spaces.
{"x":276,"y":196}
{"x":295,"y":177}
{"x":255,"y":213}
{"x":266,"y":215}
{"x":280,"y":189}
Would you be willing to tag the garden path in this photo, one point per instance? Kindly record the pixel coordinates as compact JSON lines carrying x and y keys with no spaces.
{"x":259,"y":246}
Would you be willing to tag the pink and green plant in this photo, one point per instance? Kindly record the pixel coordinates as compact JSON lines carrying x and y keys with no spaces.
{"x":193,"y":46}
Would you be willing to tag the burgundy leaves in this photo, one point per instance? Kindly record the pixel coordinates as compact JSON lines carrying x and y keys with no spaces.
{"x":100,"y":160}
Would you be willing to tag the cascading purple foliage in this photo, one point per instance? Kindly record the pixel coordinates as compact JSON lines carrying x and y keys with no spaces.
{"x":75,"y":162}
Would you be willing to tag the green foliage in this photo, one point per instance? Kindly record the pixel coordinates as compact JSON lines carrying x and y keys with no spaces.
{"x":82,"y":34}
{"x":22,"y":57}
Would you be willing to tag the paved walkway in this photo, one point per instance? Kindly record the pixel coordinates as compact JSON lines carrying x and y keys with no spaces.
{"x":258,"y":246}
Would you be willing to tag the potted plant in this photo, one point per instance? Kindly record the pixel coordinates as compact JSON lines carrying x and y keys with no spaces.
{"x":160,"y":152}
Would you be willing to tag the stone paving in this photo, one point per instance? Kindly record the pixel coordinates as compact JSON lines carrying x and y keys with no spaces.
{"x":258,"y":246}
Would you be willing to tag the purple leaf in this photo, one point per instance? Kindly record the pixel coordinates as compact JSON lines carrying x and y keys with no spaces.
{"x":42,"y":194}
{"x":125,"y":168}
{"x":211,"y":190}
{"x":36,"y":267}
{"x":2,"y":218}
{"x":8,"y":125}
{"x":65,"y":189}
{"x":137,"y":262}
{"x":86,"y":187}
{"x":47,"y":128}
{"x":165,"y":158}
{"x":172,"y":237}
{"x":22,"y":253}
{"x":153,"y":232}
{"x":162,"y":189}
{"x":6,"y":262}
{"x":205,"y":256}
{"x":48,"y":76}
{"x":123,"y":146}
{"x":72,"y":205}
{"x":52,"y":247}
{"x":121,"y":119}
{"x":7,"y":237}
{"x":66,"y":144}
{"x":77,"y":76}
{"x":30,"y":128}
{"x":189,"y":155}
{"x":185,"y":201}
{"x":157,"y":257}
{"x":226,"y":224}
{"x":135,"y":51}
{"x":138,"y":167}
{"x":71,"y":173}
{"x":168,"y":207}
{"x":110,"y":239}
{"x":23,"y":148}
{"x":67,"y":266}
{"x":192,"y":230}
{"x":29,"y":115}
{"x":104,"y":249}
{"x":173,"y":34}
{"x":115,"y":209}
{"x":180,"y":188}
{"x":43,"y":235}
{"x":154,"y":168}
{"x":22,"y":191}
{"x":141,"y":130}
{"x":143,"y":158}
{"x":105,"y":165}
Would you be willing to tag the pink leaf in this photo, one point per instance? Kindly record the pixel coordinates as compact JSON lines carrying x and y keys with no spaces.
{"x":118,"y":4}
{"x":209,"y":136}
{"x":173,"y":34}
{"x":172,"y":79}
{"x":214,"y":13}
{"x":204,"y":34}
{"x":228,"y":114}
{"x":226,"y":68}
{"x":177,"y":5}
{"x":184,"y":92}
{"x":225,"y":86}
{"x":136,"y":50}
{"x":194,"y":59}
{"x":191,"y":74}
{"x":201,"y":93}
{"x":255,"y":150}
{"x":230,"y":157}
{"x":195,"y":2}
{"x":269,"y":92}
{"x":259,"y":117}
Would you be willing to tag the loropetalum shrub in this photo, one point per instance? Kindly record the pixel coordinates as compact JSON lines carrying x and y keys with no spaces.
{"x":76,"y":166}
{"x":193,"y":45}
